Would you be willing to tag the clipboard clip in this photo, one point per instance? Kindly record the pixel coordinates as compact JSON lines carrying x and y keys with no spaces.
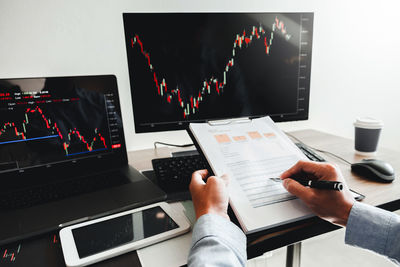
{"x":230,"y":121}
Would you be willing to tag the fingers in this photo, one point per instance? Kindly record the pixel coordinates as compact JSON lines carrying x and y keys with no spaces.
{"x":225,"y":178}
{"x":318,"y":170}
{"x":199,"y":176}
{"x":297,"y":189}
{"x":218,"y":181}
{"x":300,"y":166}
{"x":198,"y":179}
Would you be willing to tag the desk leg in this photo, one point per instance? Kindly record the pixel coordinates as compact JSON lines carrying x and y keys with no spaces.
{"x":293,"y":255}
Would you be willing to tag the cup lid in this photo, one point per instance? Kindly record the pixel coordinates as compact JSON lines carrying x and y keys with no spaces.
{"x":368,"y":123}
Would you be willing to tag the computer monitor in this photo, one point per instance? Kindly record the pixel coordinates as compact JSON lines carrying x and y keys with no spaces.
{"x":193,"y":67}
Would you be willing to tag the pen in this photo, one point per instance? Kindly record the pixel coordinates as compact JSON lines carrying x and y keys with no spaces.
{"x":320,"y":184}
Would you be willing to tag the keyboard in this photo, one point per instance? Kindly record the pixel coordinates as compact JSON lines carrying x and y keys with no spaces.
{"x":310,"y":153}
{"x":173,"y":174}
{"x":56,"y":191}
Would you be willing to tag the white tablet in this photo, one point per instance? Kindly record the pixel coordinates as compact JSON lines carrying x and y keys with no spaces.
{"x":100,"y":239}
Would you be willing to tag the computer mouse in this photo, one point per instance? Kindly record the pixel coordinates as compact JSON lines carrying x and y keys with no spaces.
{"x":374,"y":169}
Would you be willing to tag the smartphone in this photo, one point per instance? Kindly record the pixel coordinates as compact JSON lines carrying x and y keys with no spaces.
{"x":93,"y":241}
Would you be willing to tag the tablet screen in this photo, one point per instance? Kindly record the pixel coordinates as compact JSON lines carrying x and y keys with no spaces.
{"x":105,"y":235}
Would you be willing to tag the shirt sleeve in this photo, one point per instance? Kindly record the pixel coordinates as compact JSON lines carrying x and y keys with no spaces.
{"x":217,"y":242}
{"x":374,"y":229}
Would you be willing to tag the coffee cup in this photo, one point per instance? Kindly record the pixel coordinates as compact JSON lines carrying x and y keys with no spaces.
{"x":367,"y":132}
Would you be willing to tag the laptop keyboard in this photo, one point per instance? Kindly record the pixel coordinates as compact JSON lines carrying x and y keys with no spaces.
{"x":51,"y":192}
{"x":173,"y":176}
{"x":174,"y":173}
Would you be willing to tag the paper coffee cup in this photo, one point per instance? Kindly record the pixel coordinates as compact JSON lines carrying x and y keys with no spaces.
{"x":367,"y":132}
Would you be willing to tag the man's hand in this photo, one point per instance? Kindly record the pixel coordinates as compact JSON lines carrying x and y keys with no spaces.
{"x":333,"y":206}
{"x":210,"y":197}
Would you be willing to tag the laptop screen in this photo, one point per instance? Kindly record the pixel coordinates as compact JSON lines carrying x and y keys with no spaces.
{"x":60,"y":121}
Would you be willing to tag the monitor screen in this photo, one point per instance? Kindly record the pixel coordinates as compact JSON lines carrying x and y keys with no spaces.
{"x":191,"y":67}
{"x":58,"y":120}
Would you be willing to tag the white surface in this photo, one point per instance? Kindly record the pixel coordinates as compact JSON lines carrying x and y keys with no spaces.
{"x":250,"y":163}
{"x":354,"y":65}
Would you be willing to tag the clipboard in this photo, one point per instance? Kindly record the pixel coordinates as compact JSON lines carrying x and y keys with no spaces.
{"x":213,"y":139}
{"x":214,"y":123}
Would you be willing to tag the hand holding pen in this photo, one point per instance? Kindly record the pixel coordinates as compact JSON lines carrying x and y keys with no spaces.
{"x":333,"y":205}
{"x":317,"y":184}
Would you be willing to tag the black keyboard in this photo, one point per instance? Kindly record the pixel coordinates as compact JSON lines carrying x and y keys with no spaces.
{"x":60,"y":190}
{"x":173,"y":174}
{"x":310,"y":153}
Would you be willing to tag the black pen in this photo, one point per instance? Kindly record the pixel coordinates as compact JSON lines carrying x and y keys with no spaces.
{"x":317,"y":184}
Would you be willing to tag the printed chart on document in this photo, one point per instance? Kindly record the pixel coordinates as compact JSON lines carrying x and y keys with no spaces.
{"x":252,"y":157}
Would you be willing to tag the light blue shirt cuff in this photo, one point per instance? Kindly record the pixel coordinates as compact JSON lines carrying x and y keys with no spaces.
{"x":374,"y":229}
{"x":217,"y":242}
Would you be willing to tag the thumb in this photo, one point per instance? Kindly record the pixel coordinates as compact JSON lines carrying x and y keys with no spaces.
{"x":295,"y":188}
{"x":225,"y":178}
{"x":197,"y":180}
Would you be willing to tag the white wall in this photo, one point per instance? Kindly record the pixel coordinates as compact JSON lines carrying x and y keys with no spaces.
{"x":355,"y":67}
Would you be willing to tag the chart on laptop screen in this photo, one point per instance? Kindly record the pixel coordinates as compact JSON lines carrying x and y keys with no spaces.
{"x":44,"y":121}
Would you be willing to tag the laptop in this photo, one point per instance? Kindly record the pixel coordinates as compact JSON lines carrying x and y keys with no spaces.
{"x":63,"y":157}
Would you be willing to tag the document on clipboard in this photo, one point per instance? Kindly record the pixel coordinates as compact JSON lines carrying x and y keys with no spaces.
{"x":251,"y":152}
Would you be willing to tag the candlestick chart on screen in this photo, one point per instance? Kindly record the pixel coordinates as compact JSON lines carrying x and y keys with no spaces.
{"x":204,"y":66}
{"x":42,"y":127}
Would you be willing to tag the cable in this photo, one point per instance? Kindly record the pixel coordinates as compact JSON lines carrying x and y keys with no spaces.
{"x":175,"y":145}
{"x":316,"y":149}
